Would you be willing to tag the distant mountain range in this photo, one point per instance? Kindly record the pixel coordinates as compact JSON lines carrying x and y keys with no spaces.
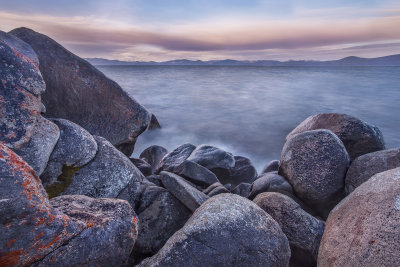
{"x":393,"y":60}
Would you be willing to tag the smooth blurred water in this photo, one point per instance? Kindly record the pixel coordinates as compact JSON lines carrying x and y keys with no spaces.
{"x":250,"y":110}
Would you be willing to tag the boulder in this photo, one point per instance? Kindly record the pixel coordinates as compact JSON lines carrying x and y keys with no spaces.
{"x":182,"y":190}
{"x":76,"y":147}
{"x":303,"y":231}
{"x":243,"y":189}
{"x":271,"y":166}
{"x":40,"y":146}
{"x":242,"y":172}
{"x":365,"y":166}
{"x":218,"y":190}
{"x":143,"y":166}
{"x":77,"y":91}
{"x":175,"y":158}
{"x":153,"y":155}
{"x":270,"y":182}
{"x":29,"y":226}
{"x":155,"y":179}
{"x":315,"y":164}
{"x":160,"y":216}
{"x":363,"y":229}
{"x":227,"y":230}
{"x":153,"y":124}
{"x":358,"y":137}
{"x":196,"y":173}
{"x":107,"y":175}
{"x":211,"y":187}
{"x":212,"y":157}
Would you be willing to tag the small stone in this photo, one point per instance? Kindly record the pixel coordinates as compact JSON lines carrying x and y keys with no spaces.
{"x":153,"y":155}
{"x":196,"y":173}
{"x":271,"y":166}
{"x":270,"y":182}
{"x":175,"y":158}
{"x":212,"y":157}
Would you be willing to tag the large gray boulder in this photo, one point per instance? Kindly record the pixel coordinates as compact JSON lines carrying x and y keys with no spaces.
{"x":365,"y":166}
{"x":153,"y":155}
{"x":270,"y":182}
{"x":160,"y":216}
{"x":196,"y":173}
{"x":363,"y":229}
{"x":315,"y":164}
{"x":227,"y":230}
{"x":243,"y":171}
{"x":303,"y":231}
{"x":358,"y":137}
{"x":175,"y":158}
{"x":77,"y":91}
{"x":75,"y":148}
{"x":212,"y":157}
{"x":182,"y":190}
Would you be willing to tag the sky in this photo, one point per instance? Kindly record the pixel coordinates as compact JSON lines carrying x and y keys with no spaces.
{"x":160,"y":30}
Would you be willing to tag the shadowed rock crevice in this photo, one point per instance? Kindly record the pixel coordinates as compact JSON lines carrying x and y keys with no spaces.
{"x":63,"y":181}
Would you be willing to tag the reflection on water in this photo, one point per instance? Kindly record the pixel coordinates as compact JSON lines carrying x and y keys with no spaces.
{"x":250,"y":110}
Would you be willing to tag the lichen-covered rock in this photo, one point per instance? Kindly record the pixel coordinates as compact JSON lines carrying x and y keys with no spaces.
{"x":227,"y":230}
{"x":242,"y":172}
{"x":365,"y":166}
{"x":111,"y":229}
{"x":77,"y":91}
{"x":107,"y":175}
{"x":303,"y":231}
{"x":270,"y":182}
{"x":160,"y":216}
{"x":243,"y":189}
{"x":196,"y":173}
{"x":271,"y":166}
{"x":363,"y":229}
{"x":153,"y":155}
{"x":29,"y":226}
{"x":315,"y":164}
{"x":143,"y":166}
{"x":212,"y":157}
{"x":358,"y":137}
{"x":75,"y":148}
{"x":175,"y":158}
{"x":182,"y":190}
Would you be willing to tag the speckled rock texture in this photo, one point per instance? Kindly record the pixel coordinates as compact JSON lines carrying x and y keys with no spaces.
{"x":160,"y":216}
{"x":243,"y":171}
{"x":303,"y":231}
{"x":182,"y":190}
{"x":365,"y":166}
{"x":363,"y":229}
{"x":175,"y":158}
{"x":196,"y":173}
{"x":20,"y":86}
{"x":270,"y":182}
{"x":227,"y":230}
{"x":358,"y":137}
{"x":153,"y":155}
{"x":315,"y":164}
{"x":212,"y":157}
{"x":111,"y":229}
{"x":77,"y":91}
{"x":75,"y":148}
{"x":30,"y":228}
{"x":243,"y":189}
{"x":271,"y":166}
{"x":106,"y":175}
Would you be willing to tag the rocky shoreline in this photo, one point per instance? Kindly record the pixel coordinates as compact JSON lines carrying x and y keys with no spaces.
{"x":70,"y":195}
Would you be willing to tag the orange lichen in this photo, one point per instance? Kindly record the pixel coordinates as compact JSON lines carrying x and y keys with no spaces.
{"x":134,"y":220}
{"x":10,"y":258}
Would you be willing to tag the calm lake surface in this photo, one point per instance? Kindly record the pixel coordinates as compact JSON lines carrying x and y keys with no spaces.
{"x":250,"y":110}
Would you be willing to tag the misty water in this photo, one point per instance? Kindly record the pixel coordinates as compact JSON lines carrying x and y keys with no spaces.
{"x":250,"y":110}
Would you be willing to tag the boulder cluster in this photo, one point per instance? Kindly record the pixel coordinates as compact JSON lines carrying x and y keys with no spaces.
{"x":69,"y":195}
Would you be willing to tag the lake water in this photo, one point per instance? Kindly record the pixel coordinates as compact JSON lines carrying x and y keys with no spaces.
{"x":250,"y":110}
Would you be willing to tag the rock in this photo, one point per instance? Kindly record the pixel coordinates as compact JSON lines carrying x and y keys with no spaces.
{"x":20,"y":80}
{"x":196,"y":173}
{"x":153,"y":155}
{"x":303,"y":231}
{"x":218,"y":190}
{"x":143,"y":166}
{"x":38,"y":150}
{"x":270,"y":182}
{"x":358,"y":137}
{"x":243,"y":189}
{"x":160,"y":216}
{"x":228,"y":187}
{"x":315,"y":164}
{"x":363,"y":229}
{"x":75,"y":148}
{"x":154,"y":124}
{"x":271,"y":166}
{"x":107,"y":175}
{"x":212,"y":157}
{"x":182,"y":190}
{"x":29,"y":226}
{"x":77,"y":91}
{"x":155,"y":179}
{"x":211,"y":187}
{"x":365,"y":166}
{"x":242,"y":172}
{"x":175,"y":158}
{"x":227,"y":230}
